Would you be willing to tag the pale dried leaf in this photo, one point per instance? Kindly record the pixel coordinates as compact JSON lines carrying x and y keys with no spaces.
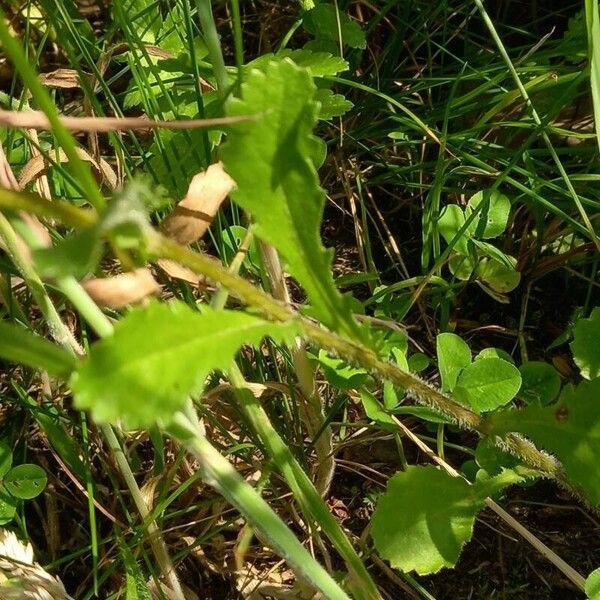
{"x":61,"y":78}
{"x":177,"y":271}
{"x":193,"y":215}
{"x":123,"y":289}
{"x":39,"y":166}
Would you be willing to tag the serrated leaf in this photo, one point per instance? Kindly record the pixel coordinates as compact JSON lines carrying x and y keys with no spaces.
{"x":492,"y":219}
{"x":270,"y":159}
{"x":585,"y":346}
{"x":320,"y":64}
{"x":569,"y":429}
{"x":332,"y":105}
{"x":453,"y":355}
{"x":26,"y":481}
{"x":161,"y":354}
{"x":487,"y":384}
{"x":541,"y":382}
{"x":424,"y":518}
{"x":324,"y":21}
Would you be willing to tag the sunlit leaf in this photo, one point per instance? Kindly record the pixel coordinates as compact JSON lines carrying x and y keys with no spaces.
{"x":453,"y":355}
{"x":569,"y":429}
{"x":586,"y":345}
{"x":271,"y":159}
{"x":161,"y":354}
{"x":487,"y":384}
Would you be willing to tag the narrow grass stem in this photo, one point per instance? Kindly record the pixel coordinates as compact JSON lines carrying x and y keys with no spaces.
{"x":537,"y":120}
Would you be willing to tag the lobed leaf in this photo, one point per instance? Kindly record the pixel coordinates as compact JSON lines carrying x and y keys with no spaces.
{"x":271,"y":158}
{"x":161,"y":354}
{"x":424,"y":518}
{"x":569,"y":429}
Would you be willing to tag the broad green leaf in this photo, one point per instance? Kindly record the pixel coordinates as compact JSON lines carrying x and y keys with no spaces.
{"x":331,"y":105}
{"x":569,"y":429}
{"x":499,"y":277}
{"x":20,"y":346}
{"x":324,"y":21}
{"x":541,"y":382}
{"x":452,"y":218}
{"x":487,"y":384}
{"x":424,"y":518}
{"x":592,"y":585}
{"x":270,"y":158}
{"x":6,"y":457}
{"x":320,"y":64}
{"x":26,"y":481}
{"x":453,"y":355}
{"x":586,"y":345}
{"x":422,"y":412}
{"x":8,"y":506}
{"x":492,"y":219}
{"x":161,"y":354}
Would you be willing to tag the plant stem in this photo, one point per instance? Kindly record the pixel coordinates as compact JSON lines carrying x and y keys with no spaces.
{"x":220,"y":474}
{"x":213,"y":43}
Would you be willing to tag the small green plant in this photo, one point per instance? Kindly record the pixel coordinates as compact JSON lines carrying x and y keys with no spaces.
{"x":152,"y":370}
{"x":485,"y":217}
{"x":21,"y":482}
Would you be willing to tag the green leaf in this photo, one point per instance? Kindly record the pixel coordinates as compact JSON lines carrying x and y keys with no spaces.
{"x":495,"y":353}
{"x":592,"y":585}
{"x":569,"y":429}
{"x":375,"y":411}
{"x":541,"y":382}
{"x":487,"y":384}
{"x":76,"y":255}
{"x":331,"y":105}
{"x":20,"y":346}
{"x":26,"y":481}
{"x":452,"y":218}
{"x":585,"y":346}
{"x":453,"y":355}
{"x":499,"y":277}
{"x":424,"y":518}
{"x":320,"y":64}
{"x":341,"y":374}
{"x":418,"y":362}
{"x":6,"y":457}
{"x":135,"y":582}
{"x":270,"y":158}
{"x":492,"y":219}
{"x":143,"y":16}
{"x":161,"y":354}
{"x":8,"y":506}
{"x":322,"y":22}
{"x":461,"y":266}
